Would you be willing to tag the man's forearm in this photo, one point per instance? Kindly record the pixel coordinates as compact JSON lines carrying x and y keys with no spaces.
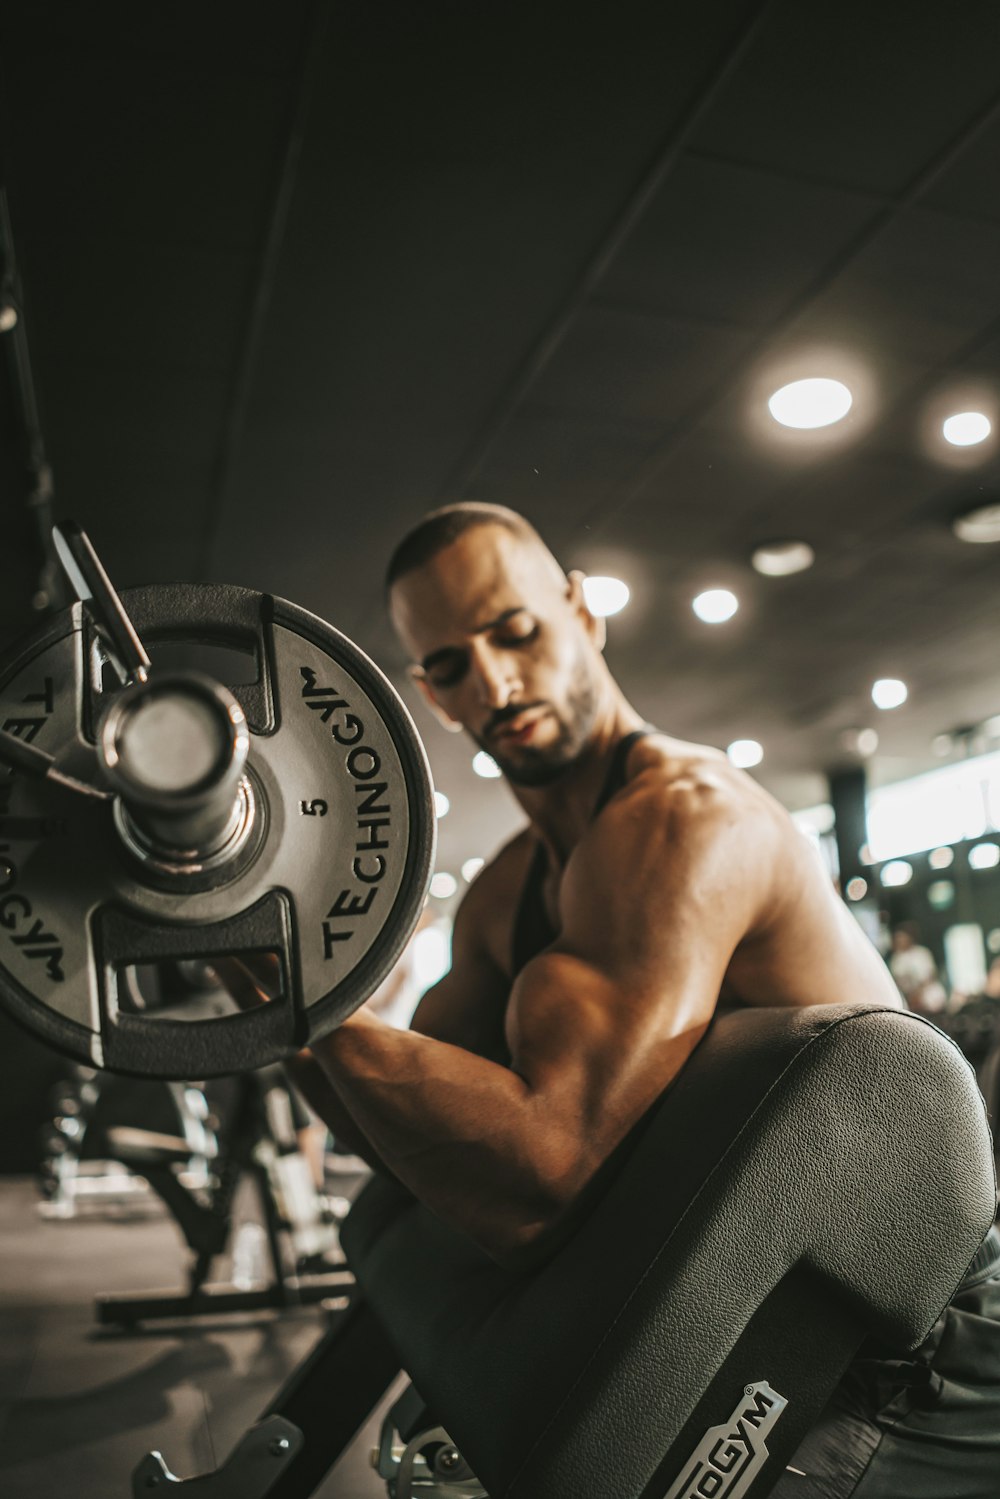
{"x":317,"y":1090}
{"x":462,"y":1133}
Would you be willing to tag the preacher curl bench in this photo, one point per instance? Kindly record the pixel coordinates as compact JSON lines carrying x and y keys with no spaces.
{"x":812,"y":1179}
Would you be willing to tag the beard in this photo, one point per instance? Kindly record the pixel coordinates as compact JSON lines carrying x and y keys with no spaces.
{"x":526,"y":765}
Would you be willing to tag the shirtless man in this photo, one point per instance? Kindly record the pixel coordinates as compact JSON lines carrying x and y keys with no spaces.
{"x":652,"y":882}
{"x":689,"y":886}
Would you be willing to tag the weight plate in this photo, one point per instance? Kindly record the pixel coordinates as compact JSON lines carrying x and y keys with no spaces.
{"x":333,"y":884}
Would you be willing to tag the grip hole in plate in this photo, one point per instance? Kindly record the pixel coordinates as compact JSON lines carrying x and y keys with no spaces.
{"x":197,"y":989}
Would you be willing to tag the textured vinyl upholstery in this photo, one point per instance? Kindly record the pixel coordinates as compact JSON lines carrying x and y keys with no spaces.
{"x":847,"y":1141}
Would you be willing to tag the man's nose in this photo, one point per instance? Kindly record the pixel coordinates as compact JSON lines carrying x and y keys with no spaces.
{"x":498,"y":679}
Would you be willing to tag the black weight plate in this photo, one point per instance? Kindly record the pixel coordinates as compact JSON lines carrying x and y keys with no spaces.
{"x":335,"y":887}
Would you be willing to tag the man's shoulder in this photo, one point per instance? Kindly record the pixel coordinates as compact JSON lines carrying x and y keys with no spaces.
{"x":689,"y":783}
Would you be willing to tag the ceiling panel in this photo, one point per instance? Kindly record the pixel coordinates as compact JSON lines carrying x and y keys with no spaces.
{"x":864,"y":96}
{"x":783,"y":232}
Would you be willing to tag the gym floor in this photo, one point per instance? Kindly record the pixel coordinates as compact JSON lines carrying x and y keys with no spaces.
{"x":80,"y":1404}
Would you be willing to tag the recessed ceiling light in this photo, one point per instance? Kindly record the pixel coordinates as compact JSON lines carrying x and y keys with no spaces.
{"x":779,"y":559}
{"x":966,"y":428}
{"x":863,"y":742}
{"x":441,"y":804}
{"x":810,"y":403}
{"x":745,"y":752}
{"x":484,"y":765}
{"x":984,"y":856}
{"x":896,"y":872}
{"x":605,"y":596}
{"x":979,"y":525}
{"x":857,"y":888}
{"x":715,"y":605}
{"x":443,"y":885}
{"x":889,"y":692}
{"x":471,"y":868}
{"x":941,"y":858}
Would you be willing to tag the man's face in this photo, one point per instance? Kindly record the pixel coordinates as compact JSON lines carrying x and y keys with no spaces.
{"x":505,"y":649}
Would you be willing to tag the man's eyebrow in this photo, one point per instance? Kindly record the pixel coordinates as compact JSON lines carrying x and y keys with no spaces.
{"x":449,"y":652}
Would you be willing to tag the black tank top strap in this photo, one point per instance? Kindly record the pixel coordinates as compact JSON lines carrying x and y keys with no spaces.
{"x":615,"y":778}
{"x":533,"y":931}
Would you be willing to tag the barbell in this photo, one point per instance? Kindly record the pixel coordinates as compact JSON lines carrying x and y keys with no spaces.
{"x":152,"y":815}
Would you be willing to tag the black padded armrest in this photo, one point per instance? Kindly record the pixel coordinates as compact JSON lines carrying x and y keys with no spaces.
{"x":849,"y":1142}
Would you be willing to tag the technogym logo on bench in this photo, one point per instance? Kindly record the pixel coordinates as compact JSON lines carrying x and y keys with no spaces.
{"x":728,"y":1458}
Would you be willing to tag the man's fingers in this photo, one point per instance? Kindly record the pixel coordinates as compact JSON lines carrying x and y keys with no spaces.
{"x":251,"y":980}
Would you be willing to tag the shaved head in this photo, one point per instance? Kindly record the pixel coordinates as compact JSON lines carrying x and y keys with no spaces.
{"x":440,"y":528}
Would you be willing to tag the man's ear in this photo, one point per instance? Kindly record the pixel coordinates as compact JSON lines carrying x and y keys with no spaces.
{"x":595,"y":626}
{"x":416,"y":674}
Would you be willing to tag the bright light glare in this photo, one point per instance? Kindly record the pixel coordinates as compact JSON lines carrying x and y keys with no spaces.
{"x":443,"y":885}
{"x":984,"y":856}
{"x":897,"y":873}
{"x":980,"y":526}
{"x":779,"y":559}
{"x":431,"y":956}
{"x":815,"y":820}
{"x":745,"y":752}
{"x":966,"y":428}
{"x":484,"y":765}
{"x":471,"y":868}
{"x":857,"y":888}
{"x":441,"y":804}
{"x":941,"y":858}
{"x":889,"y":692}
{"x":810,"y":403}
{"x":715,"y":605}
{"x":605,"y":596}
{"x":932,"y":811}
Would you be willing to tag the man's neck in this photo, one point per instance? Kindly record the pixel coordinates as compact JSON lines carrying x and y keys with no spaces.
{"x":561,"y":811}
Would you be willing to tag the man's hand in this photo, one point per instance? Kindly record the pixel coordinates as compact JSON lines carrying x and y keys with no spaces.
{"x":252,"y":980}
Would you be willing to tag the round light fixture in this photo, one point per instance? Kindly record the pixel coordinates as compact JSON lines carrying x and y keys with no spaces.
{"x":861,"y":742}
{"x":857,"y":888}
{"x":966,"y":428}
{"x":484,"y":765}
{"x":941,"y":858}
{"x":810,"y":403}
{"x":896,"y":872}
{"x":443,"y":885}
{"x":779,"y":559}
{"x":889,"y":692}
{"x":441,"y":804}
{"x":605,"y":596}
{"x":941,"y":894}
{"x":471,"y":868}
{"x":715,"y":605}
{"x":743,"y":753}
{"x":984,"y":856}
{"x":979,"y":526}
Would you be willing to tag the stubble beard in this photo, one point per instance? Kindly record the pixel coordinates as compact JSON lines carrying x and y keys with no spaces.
{"x":529,"y":765}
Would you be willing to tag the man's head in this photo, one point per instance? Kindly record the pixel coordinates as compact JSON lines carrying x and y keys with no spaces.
{"x":502,"y":640}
